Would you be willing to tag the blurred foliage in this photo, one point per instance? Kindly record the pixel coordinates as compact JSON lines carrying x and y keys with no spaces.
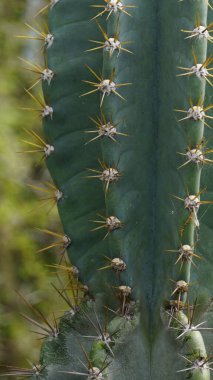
{"x":21,"y":267}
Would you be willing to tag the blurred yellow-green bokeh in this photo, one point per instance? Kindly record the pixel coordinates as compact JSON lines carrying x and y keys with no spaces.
{"x":22,"y":268}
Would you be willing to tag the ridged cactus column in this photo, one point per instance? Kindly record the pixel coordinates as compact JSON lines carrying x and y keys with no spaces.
{"x":130,"y":110}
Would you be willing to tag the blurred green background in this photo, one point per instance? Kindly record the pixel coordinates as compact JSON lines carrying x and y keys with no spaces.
{"x":22,"y":268}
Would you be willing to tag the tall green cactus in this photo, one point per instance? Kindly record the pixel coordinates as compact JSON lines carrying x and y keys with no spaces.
{"x":127,"y":181}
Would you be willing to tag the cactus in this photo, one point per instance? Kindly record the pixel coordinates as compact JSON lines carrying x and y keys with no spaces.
{"x":127,"y":119}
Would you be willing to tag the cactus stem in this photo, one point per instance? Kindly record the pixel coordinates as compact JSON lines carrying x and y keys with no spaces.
{"x":105,"y":84}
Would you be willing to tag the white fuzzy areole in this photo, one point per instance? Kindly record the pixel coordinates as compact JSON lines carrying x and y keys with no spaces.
{"x":48,"y":150}
{"x":113,"y":223}
{"x":66,"y":241}
{"x":108,"y":130}
{"x":58,"y":195}
{"x":199,"y":70}
{"x":192,"y":202}
{"x":114,"y":6}
{"x":49,"y":40}
{"x":95,"y":374}
{"x":182,"y":286}
{"x":186,"y":252}
{"x":110,"y":175}
{"x":47,"y":75}
{"x":201,"y":32}
{"x":112,"y":44}
{"x":47,"y":111}
{"x":37,"y":369}
{"x":107,"y":86}
{"x":118,"y":264}
{"x":195,"y":155}
{"x":125,"y":290}
{"x":196,"y":113}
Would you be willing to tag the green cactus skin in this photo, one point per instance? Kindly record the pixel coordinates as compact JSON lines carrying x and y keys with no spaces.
{"x":144,"y":334}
